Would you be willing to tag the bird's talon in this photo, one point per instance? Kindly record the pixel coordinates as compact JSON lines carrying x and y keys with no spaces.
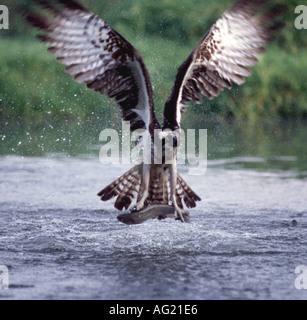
{"x":180,"y":214}
{"x":139,"y":206}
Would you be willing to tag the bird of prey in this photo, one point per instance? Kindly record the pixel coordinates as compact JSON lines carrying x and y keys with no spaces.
{"x":97,"y":55}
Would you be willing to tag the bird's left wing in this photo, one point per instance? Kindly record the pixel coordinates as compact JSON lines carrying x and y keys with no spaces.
{"x":222,"y":58}
{"x":100,"y":57}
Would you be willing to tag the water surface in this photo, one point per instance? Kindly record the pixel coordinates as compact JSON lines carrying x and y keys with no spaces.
{"x":244,"y":241}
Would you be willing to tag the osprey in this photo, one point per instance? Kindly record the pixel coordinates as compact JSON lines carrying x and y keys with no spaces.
{"x":97,"y":55}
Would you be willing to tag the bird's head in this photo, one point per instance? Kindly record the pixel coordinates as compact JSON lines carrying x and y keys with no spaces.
{"x":170,"y":138}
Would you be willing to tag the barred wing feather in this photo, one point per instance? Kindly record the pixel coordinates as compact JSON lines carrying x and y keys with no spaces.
{"x":97,"y":55}
{"x":222,"y":58}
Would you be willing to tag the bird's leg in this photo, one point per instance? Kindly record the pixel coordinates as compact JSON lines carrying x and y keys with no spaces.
{"x":179,"y":213}
{"x":145,"y":187}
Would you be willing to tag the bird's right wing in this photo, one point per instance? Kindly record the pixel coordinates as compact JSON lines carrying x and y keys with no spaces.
{"x":99,"y":57}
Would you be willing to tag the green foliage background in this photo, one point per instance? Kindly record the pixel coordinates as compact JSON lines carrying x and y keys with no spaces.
{"x":34,"y":87}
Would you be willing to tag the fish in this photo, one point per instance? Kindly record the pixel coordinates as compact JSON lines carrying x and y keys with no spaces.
{"x":152,"y":211}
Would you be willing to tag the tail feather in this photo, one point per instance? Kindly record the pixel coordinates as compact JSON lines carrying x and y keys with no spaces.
{"x":156,"y":190}
{"x":129,"y":186}
{"x":124,"y":188}
{"x":159,"y":191}
{"x":185,"y":192}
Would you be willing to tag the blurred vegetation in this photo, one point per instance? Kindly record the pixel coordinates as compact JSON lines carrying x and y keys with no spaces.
{"x":34,"y":87}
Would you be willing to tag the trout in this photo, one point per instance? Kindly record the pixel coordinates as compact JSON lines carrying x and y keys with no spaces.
{"x":152,"y":211}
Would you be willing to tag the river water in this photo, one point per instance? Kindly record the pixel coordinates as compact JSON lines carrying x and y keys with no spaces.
{"x":244,"y":241}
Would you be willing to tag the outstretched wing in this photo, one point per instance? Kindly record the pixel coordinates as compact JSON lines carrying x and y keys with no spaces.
{"x":100,"y":57}
{"x":222,"y":58}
